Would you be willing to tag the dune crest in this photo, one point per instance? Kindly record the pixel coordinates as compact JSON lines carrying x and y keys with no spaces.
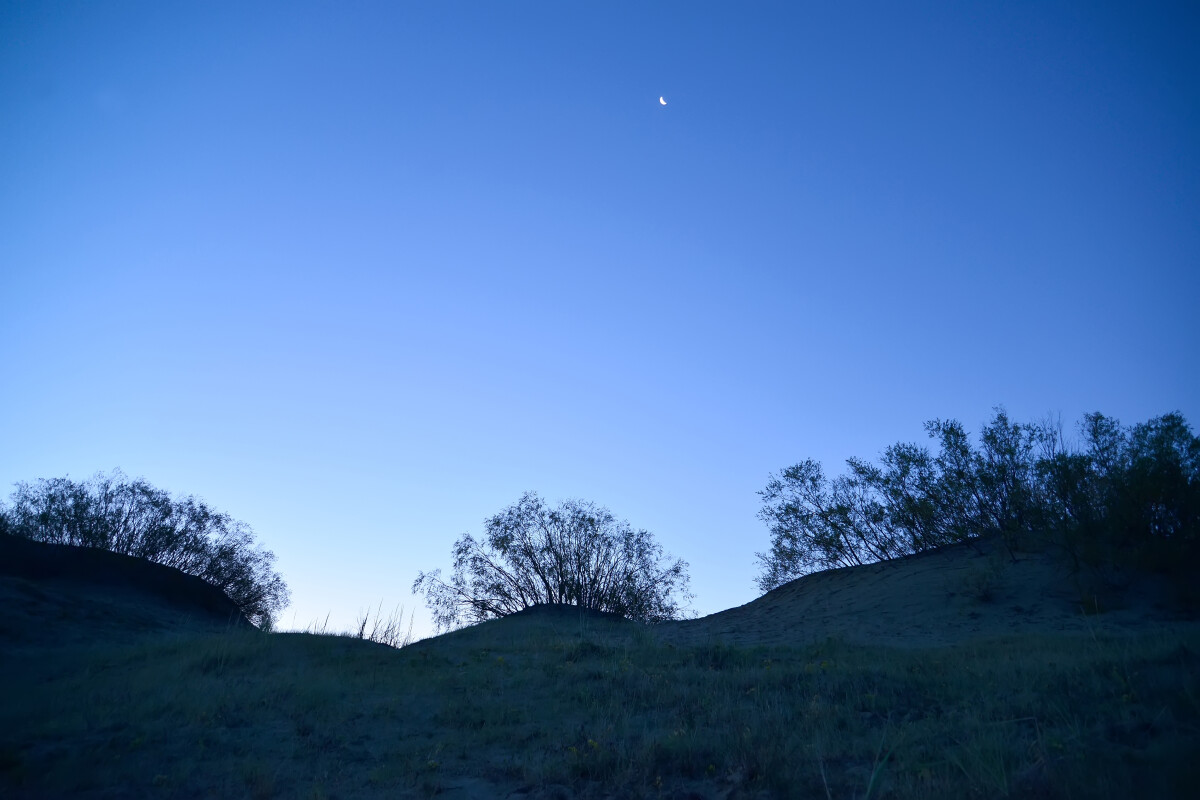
{"x":57,"y":594}
{"x":948,"y":595}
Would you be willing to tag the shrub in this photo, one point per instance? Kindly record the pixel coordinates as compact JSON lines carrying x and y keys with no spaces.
{"x":577,"y":554}
{"x":113,"y":512}
{"x":1128,"y":497}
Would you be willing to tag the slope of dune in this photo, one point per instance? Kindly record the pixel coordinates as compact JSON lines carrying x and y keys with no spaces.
{"x":161,"y":696}
{"x":949,"y":595}
{"x":59,"y":595}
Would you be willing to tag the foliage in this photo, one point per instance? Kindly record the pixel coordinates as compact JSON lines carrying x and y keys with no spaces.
{"x":1129,"y":495}
{"x":129,"y":516}
{"x":577,"y":554}
{"x":390,"y":631}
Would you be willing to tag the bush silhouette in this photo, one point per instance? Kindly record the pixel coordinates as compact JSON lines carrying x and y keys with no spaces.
{"x":131,"y":517}
{"x":1127,"y":497}
{"x":577,"y":554}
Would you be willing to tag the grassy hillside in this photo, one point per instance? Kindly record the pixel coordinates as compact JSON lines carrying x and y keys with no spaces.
{"x":947,"y":595}
{"x":56,"y":595}
{"x":117,"y":689}
{"x":547,"y":705}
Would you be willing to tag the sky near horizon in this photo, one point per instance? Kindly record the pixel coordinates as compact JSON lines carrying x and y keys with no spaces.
{"x":361,"y":274}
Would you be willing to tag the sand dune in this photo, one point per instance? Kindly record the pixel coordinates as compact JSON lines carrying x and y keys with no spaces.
{"x":556,"y":702}
{"x":60,"y":595}
{"x":949,"y":595}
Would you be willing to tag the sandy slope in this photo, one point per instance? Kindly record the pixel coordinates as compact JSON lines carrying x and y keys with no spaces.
{"x":949,"y":595}
{"x":283,"y":714}
{"x":58,"y":595}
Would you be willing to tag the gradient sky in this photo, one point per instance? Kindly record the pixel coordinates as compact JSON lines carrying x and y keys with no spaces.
{"x":359,"y":274}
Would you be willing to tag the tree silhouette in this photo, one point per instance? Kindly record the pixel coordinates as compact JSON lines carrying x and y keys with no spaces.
{"x":113,"y":512}
{"x":576,"y":554}
{"x":1128,"y":496}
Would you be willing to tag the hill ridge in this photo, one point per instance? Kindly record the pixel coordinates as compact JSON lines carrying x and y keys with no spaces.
{"x":62,"y":593}
{"x":942,"y":596}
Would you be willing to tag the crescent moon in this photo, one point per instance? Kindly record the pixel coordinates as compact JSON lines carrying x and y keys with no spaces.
{"x":661,"y":101}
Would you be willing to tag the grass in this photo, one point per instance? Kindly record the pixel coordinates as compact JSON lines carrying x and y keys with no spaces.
{"x":593,"y":708}
{"x":389,"y":630}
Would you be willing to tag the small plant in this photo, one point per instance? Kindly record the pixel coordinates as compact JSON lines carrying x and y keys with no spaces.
{"x":390,"y":631}
{"x":982,"y":581}
{"x":319,"y":628}
{"x":373,"y":627}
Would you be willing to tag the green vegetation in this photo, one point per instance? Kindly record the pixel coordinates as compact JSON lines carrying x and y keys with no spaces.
{"x":565,"y":696}
{"x":1127,"y":497}
{"x":578,"y":706}
{"x":577,"y":554}
{"x":131,"y":517}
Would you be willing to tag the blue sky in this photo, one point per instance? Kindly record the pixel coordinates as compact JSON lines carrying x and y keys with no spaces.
{"x":360,"y":274}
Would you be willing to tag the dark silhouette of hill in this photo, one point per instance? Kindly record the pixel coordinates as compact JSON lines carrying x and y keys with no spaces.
{"x":541,"y":622}
{"x":161,"y":695}
{"x":58,"y":594}
{"x":944,"y":596}
{"x":566,"y":613}
{"x":949,"y":595}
